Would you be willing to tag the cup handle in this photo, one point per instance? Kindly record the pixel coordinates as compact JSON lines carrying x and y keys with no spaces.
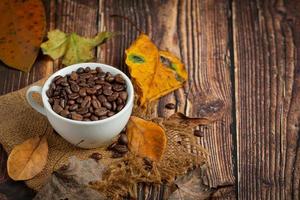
{"x":31,"y":101}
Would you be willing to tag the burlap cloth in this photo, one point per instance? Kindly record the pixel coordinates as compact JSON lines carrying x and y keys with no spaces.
{"x":18,"y":122}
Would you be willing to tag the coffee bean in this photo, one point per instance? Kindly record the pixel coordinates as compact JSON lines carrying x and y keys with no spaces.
{"x":64,"y":113}
{"x":75,"y":87}
{"x":82,"y":92}
{"x":74,"y":76}
{"x":123,"y":95}
{"x":118,"y":87}
{"x":120,"y":148}
{"x":96,"y":156}
{"x":82,"y":111}
{"x":101,"y":111}
{"x":91,"y":91}
{"x":73,"y":107}
{"x":94,"y":118}
{"x":123,"y":139}
{"x":76,"y":116}
{"x":102,"y":98}
{"x":96,"y":104}
{"x":57,"y":108}
{"x":73,"y":96}
{"x":107,"y":105}
{"x":87,"y":94}
{"x":113,"y":97}
{"x":80,"y":70}
{"x":110,"y":113}
{"x":119,"y":79}
{"x":86,"y":119}
{"x":170,"y":106}
{"x":86,"y":101}
{"x":198,"y":133}
{"x":111,"y":146}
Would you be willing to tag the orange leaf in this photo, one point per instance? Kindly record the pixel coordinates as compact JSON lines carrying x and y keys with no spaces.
{"x":28,"y":159}
{"x":22,"y":27}
{"x":146,"y":138}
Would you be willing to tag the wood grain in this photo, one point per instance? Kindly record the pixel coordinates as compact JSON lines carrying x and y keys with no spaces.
{"x":267,"y":93}
{"x":198,"y":33}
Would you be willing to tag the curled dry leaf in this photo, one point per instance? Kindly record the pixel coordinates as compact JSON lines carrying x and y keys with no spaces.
{"x":155,"y":73}
{"x":146,"y":138}
{"x":72,"y":47}
{"x":22,"y":28}
{"x":28,"y":158}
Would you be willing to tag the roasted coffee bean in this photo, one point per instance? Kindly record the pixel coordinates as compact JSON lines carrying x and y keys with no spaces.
{"x":101,"y":111}
{"x":87,"y":94}
{"x":198,"y":133}
{"x":118,"y":87}
{"x":110,"y":113}
{"x":64,"y":113}
{"x":94,"y":118}
{"x":86,"y":101}
{"x":120,"y":148}
{"x":96,"y":104}
{"x":114,"y":106}
{"x":119,"y":79}
{"x":96,"y":156}
{"x":82,"y":111}
{"x":73,"y":96}
{"x":86,"y":119}
{"x":57,"y":108}
{"x":62,"y":103}
{"x":120,"y":107}
{"x":79,"y":100}
{"x":82,"y":92}
{"x":107,"y":105}
{"x":80,"y":70}
{"x":51,"y":101}
{"x":123,"y":139}
{"x":74,"y":76}
{"x":107,"y":91}
{"x":111,"y":146}
{"x":119,"y":101}
{"x":76,"y":116}
{"x":91,"y":91}
{"x":123,"y":95}
{"x":87,"y":69}
{"x":73,"y":107}
{"x":68,"y":90}
{"x":102,"y":98}
{"x":170,"y":106}
{"x":87,"y":115}
{"x":75,"y":87}
{"x":113,"y":97}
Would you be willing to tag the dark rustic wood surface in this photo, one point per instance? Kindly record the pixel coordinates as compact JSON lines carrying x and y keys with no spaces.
{"x":241,"y":56}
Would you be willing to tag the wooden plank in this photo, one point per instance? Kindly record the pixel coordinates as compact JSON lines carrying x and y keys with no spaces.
{"x":267,"y":81}
{"x":196,"y":31}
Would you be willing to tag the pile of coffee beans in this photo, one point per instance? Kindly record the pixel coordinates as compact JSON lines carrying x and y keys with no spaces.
{"x":87,"y":94}
{"x":119,"y":148}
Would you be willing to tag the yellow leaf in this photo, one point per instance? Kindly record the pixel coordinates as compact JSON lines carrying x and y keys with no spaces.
{"x":22,"y":27}
{"x":146,"y":138}
{"x":28,"y":159}
{"x":155,"y":73}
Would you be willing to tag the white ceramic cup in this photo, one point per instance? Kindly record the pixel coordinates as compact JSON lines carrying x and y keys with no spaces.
{"x":85,"y":134}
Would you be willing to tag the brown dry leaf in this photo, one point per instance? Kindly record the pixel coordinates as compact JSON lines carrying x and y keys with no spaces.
{"x":28,"y":158}
{"x":22,"y":27}
{"x":154,"y":73}
{"x":146,"y":138}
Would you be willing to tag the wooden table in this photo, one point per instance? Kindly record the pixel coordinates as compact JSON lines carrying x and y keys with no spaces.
{"x":244,"y":53}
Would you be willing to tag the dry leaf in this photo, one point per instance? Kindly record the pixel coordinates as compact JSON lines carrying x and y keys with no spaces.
{"x":190,"y":186}
{"x":155,"y":73}
{"x":72,"y":47}
{"x":72,"y":181}
{"x":22,"y":27}
{"x":28,"y":159}
{"x":146,"y":138}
